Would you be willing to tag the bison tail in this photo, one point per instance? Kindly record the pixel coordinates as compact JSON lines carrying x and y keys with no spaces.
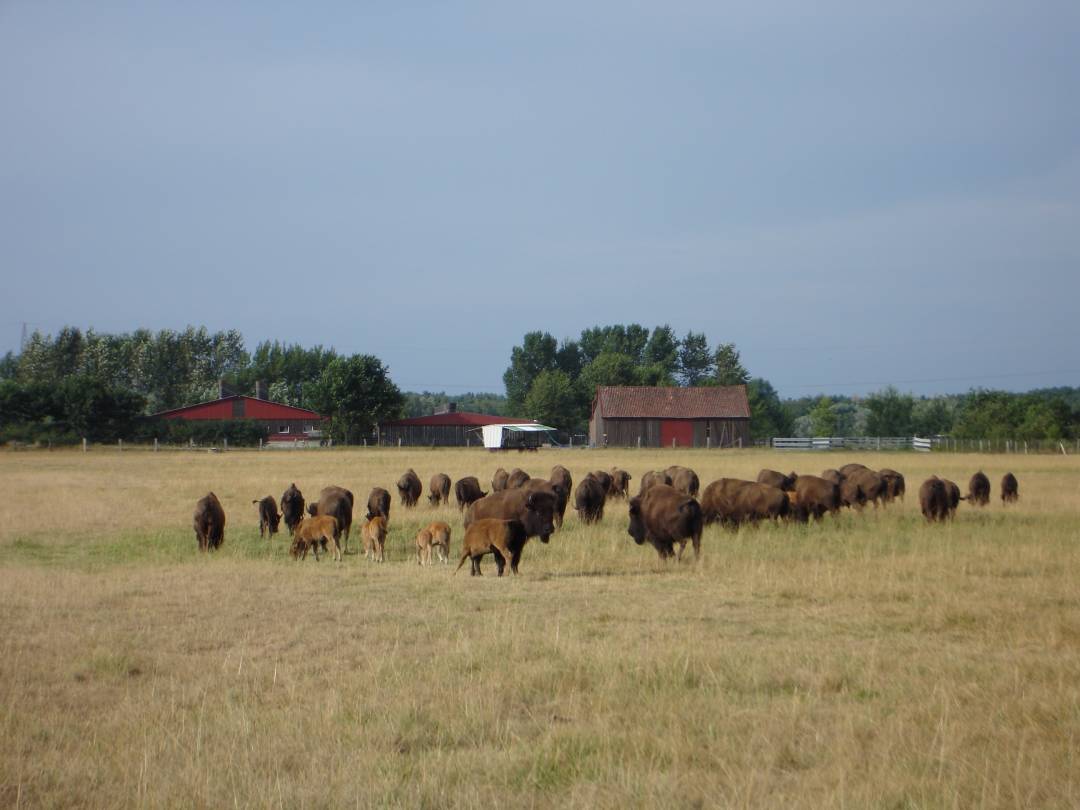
{"x":464,"y":557}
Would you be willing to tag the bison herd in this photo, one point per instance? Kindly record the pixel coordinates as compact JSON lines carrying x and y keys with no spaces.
{"x":669,"y":510}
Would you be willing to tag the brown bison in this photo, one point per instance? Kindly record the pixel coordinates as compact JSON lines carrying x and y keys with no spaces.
{"x":517,"y":478}
{"x":664,"y":516}
{"x":504,"y":539}
{"x":439,"y":489}
{"x":605,"y":479}
{"x":409,"y":488}
{"x":337,"y":502}
{"x":871,"y":484}
{"x":561,"y":476}
{"x":209,"y":522}
{"x":378,"y":503}
{"x":499,"y":479}
{"x":979,"y":489}
{"x":848,"y":469}
{"x":589,"y":499}
{"x":292,"y":507}
{"x":777,"y":479}
{"x":816,"y":496}
{"x":684,"y":479}
{"x":894,"y":484}
{"x":268,"y":516}
{"x":314,"y":532}
{"x":620,"y":483}
{"x":934,"y":499}
{"x":534,"y":510}
{"x":851,"y":494}
{"x":1010,"y":488}
{"x":467,"y":490}
{"x":556,"y":491}
{"x":952,"y":495}
{"x":374,"y":532}
{"x":434,"y":536}
{"x":653,"y":477}
{"x":718,"y":501}
{"x":835,"y":476}
{"x":756,"y":502}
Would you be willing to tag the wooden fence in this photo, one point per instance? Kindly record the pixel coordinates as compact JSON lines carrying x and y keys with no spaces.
{"x":937,"y":444}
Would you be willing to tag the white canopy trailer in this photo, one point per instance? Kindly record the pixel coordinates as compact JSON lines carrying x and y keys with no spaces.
{"x":514,"y":437}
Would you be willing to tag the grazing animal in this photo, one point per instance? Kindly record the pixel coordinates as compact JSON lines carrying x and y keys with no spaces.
{"x":561,"y":476}
{"x":556,"y":491}
{"x":777,"y":479}
{"x":409,"y":488}
{"x":664,"y":516}
{"x":292,"y":507}
{"x":952,"y":495}
{"x":499,"y":479}
{"x":756,"y":502}
{"x":684,"y":479}
{"x":375,"y":539}
{"x":848,"y":469}
{"x":434,"y":536}
{"x":378,"y":503}
{"x":871,"y":484}
{"x":979,"y":489}
{"x":620,"y":483}
{"x":268,"y":516}
{"x":517,"y":478}
{"x":467,"y":490}
{"x":1010,"y":488}
{"x":533,"y":509}
{"x":337,"y":502}
{"x":209,"y":522}
{"x":934,"y":500}
{"x":504,"y":539}
{"x":835,"y":476}
{"x":605,"y":479}
{"x":851,"y":494}
{"x":816,"y":496}
{"x":718,"y":501}
{"x":894,"y":484}
{"x":651,"y":478}
{"x":439,"y":489}
{"x":589,"y":499}
{"x":314,"y":532}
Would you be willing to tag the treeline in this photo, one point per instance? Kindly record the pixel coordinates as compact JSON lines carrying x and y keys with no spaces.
{"x":101,"y":386}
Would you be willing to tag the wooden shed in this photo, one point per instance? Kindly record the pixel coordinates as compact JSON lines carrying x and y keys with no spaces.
{"x":644,"y":416}
{"x":448,"y":428}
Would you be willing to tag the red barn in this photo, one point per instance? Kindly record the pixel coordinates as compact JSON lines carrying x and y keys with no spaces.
{"x":642,"y":416}
{"x":283,"y":423}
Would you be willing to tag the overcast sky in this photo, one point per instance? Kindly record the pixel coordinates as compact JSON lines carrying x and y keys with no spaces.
{"x":854,"y":193}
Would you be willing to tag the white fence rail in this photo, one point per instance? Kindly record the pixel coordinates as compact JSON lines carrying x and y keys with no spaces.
{"x":851,"y":443}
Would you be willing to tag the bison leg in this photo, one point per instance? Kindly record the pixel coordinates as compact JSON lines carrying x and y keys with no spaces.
{"x":500,"y":560}
{"x":515,"y":558}
{"x":476,"y":566}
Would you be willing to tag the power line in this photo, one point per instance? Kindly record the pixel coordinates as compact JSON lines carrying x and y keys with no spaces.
{"x":931,"y":379}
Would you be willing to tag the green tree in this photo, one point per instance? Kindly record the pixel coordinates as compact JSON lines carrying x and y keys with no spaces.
{"x":729,"y":369}
{"x":553,"y":401}
{"x":357,"y":393}
{"x":662,"y":350}
{"x":890,"y":413}
{"x":609,"y":368}
{"x":695,"y":360}
{"x":767,"y":415}
{"x":536,"y":353}
{"x":823,"y":418}
{"x":932,"y":416}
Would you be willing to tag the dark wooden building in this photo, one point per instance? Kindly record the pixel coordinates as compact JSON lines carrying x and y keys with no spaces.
{"x":643,"y":416}
{"x":447,"y":428}
{"x":282,"y":423}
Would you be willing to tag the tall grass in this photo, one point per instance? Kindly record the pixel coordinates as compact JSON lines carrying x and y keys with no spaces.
{"x":868,"y":661}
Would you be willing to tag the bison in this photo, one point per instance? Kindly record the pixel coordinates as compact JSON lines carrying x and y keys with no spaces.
{"x":314,"y":532}
{"x":467,"y":490}
{"x":605,"y":479}
{"x":433,"y":536}
{"x":871,"y":484}
{"x":756,"y":501}
{"x":439,"y":489}
{"x":589,"y":499}
{"x":268,"y":516}
{"x":979,"y":489}
{"x":664,"y":516}
{"x":374,"y":532}
{"x":534,"y":510}
{"x":561,"y":476}
{"x":835,"y":476}
{"x":894,"y":484}
{"x":952,"y":495}
{"x":337,"y":502}
{"x":848,"y":469}
{"x":498,"y":480}
{"x":1010,"y":488}
{"x":292,"y":507}
{"x":777,"y":479}
{"x":816,"y":496}
{"x":504,"y":539}
{"x":557,"y":491}
{"x":517,"y":478}
{"x":209,"y":522}
{"x":620,"y":483}
{"x":378,"y":503}
{"x":684,"y":479}
{"x":409,"y":488}
{"x":934,"y":499}
{"x":650,"y":478}
{"x":718,"y":501}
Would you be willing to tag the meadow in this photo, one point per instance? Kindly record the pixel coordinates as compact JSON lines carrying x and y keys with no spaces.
{"x":869,"y":660}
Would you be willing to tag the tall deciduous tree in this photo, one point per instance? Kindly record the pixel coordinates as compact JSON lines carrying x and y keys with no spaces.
{"x":890,"y":413}
{"x":537,"y":353}
{"x":695,"y":360}
{"x":729,"y":368}
{"x":357,"y":393}
{"x":662,"y":350}
{"x":552,"y":400}
{"x":823,"y":418}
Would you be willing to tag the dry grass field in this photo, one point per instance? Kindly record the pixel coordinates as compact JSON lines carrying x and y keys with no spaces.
{"x":868,"y":661}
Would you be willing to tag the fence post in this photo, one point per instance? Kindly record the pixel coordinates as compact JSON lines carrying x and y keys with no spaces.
{"x":708,"y":442}
{"x":638,"y":442}
{"x":84,"y":444}
{"x":121,"y":443}
{"x":399,"y":441}
{"x":1025,"y":447}
{"x":155,"y":444}
{"x":225,"y":443}
{"x":260,"y":442}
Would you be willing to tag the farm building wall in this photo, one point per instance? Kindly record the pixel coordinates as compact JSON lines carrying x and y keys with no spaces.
{"x":430,"y":435}
{"x":626,"y":432}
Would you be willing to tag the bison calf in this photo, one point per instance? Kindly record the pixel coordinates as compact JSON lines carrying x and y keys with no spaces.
{"x":434,"y":536}
{"x":268,"y":516}
{"x":502,"y":538}
{"x":316,"y":531}
{"x":375,"y":539}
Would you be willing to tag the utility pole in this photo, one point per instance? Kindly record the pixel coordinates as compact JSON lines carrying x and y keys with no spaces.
{"x":23,"y":339}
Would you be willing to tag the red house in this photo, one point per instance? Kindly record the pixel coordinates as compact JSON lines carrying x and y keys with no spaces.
{"x":283,"y":423}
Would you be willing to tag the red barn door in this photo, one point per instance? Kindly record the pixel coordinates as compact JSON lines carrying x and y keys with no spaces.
{"x":681,"y":431}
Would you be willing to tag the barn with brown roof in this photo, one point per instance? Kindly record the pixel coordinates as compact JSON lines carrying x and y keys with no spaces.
{"x":447,"y":427}
{"x":644,"y":416}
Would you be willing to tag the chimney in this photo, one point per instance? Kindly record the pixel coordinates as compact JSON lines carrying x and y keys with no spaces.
{"x":451,"y":408}
{"x":261,"y":391}
{"x":222,"y":390}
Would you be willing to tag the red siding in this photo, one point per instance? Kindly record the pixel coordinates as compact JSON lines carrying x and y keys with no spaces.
{"x":222,"y":409}
{"x":251,"y":408}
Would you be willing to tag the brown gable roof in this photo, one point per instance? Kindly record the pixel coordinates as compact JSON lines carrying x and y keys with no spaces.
{"x":646,"y":402}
